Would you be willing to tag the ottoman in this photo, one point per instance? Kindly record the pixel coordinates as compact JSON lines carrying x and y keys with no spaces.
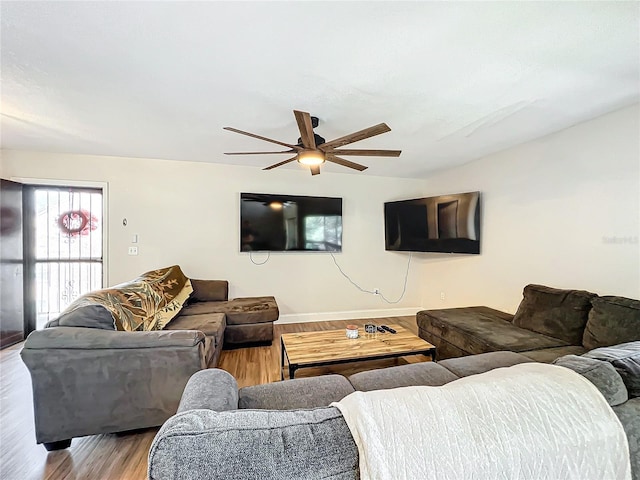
{"x":250,"y":320}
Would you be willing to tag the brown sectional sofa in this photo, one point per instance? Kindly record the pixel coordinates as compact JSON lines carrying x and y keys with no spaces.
{"x":89,"y":378}
{"x":548,"y":324}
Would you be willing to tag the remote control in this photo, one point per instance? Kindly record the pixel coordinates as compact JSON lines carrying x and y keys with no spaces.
{"x":388,"y":329}
{"x":381,"y":330}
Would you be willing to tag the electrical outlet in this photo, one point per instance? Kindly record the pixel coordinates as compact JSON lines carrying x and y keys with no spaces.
{"x":442,"y":296}
{"x":133,"y":250}
{"x":376,"y":291}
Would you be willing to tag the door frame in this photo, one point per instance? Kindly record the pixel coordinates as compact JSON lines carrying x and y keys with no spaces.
{"x":47,"y":182}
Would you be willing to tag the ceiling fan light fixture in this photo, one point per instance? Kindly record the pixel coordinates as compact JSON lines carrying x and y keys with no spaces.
{"x":311,"y":157}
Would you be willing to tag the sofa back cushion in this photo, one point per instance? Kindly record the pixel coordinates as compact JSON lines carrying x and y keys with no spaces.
{"x":88,"y":316}
{"x":286,"y":444}
{"x":612,"y":320}
{"x":557,"y":313}
{"x":601,"y":374}
{"x":209,"y":290}
{"x":626,"y":360}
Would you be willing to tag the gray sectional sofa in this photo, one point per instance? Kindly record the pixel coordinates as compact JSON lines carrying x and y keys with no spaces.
{"x":286,"y":429}
{"x":548,"y":324}
{"x":89,"y":378}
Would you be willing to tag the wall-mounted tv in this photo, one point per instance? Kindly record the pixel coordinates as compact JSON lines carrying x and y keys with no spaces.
{"x":446,"y":223}
{"x":285,"y":223}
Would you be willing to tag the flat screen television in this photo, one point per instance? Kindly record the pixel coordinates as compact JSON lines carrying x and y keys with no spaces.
{"x":285,"y":223}
{"x":446,"y":224}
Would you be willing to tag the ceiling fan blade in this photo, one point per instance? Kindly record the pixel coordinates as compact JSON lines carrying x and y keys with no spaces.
{"x":258,"y":153}
{"x":295,"y":147}
{"x":306,"y":129}
{"x":368,"y":153}
{"x":356,"y":136}
{"x":345,"y":163}
{"x":284,"y":162}
{"x":315,"y":169}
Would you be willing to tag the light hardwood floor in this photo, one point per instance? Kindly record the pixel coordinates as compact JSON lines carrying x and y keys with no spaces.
{"x":124,"y":455}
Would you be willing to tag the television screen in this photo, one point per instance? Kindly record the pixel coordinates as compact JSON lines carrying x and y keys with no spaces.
{"x":283,"y":223}
{"x":447,"y":224}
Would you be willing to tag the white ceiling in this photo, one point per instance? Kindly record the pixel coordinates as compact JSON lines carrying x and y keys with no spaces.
{"x":454,"y":80}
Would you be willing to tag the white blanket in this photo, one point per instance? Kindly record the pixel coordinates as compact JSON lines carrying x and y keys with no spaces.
{"x":529,"y":421}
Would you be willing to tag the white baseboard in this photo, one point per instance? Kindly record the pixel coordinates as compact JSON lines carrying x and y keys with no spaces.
{"x":349,"y":315}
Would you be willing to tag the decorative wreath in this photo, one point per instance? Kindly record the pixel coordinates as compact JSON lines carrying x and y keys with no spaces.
{"x":77,"y":222}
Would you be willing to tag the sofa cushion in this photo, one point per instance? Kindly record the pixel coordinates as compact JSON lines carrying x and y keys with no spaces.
{"x":481,"y":330}
{"x":557,"y":313}
{"x":203,"y":308}
{"x":212,"y":325}
{"x":612,"y":320}
{"x":626,"y":360}
{"x":298,"y":393}
{"x":548,"y":355}
{"x":601,"y":374}
{"x":88,"y":316}
{"x":209,"y":290}
{"x":266,"y":444}
{"x":425,"y":373}
{"x":474,"y":364}
{"x":239,"y":310}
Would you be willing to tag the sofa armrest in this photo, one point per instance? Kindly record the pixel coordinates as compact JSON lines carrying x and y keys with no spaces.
{"x":602,"y":374}
{"x":95,"y":338}
{"x":260,"y":444}
{"x":88,"y":381}
{"x":211,"y":389}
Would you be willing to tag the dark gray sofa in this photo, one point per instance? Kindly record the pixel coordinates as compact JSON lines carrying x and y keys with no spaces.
{"x":548,"y":324}
{"x":89,"y":378}
{"x":285,"y":430}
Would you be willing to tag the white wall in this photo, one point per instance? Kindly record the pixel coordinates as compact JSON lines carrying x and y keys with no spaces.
{"x":551,"y":207}
{"x":187,"y":213}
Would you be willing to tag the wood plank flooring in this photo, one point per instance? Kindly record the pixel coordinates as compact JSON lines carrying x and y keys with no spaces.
{"x":124,"y":455}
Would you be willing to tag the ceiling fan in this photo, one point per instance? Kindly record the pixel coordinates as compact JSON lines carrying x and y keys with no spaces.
{"x":312,"y":150}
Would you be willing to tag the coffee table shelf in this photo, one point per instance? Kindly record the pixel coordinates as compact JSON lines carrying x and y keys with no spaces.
{"x":331,"y":347}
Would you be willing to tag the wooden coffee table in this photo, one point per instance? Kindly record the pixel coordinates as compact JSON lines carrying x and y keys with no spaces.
{"x":331,"y":347}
